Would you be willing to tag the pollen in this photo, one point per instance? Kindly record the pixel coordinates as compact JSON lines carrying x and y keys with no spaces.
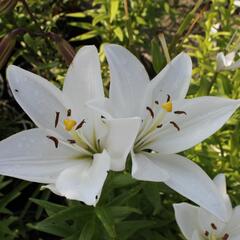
{"x":167,"y":106}
{"x":69,"y":124}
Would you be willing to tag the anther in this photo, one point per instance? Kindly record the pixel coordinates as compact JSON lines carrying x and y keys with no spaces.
{"x":103,"y":117}
{"x":96,"y":197}
{"x":175,"y":125}
{"x":80,"y":124}
{"x":69,"y":112}
{"x":57,"y":118}
{"x":213,"y":226}
{"x":69,"y":124}
{"x":206,"y":233}
{"x":168,"y":97}
{"x":180,"y":112}
{"x":159,"y":126}
{"x":71,"y":141}
{"x":16,"y":90}
{"x":156,"y":102}
{"x":150,"y":111}
{"x":54,"y":140}
{"x":225,"y":237}
{"x":167,"y":106}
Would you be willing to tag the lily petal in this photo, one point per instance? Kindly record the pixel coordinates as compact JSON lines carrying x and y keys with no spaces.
{"x":187,"y":218}
{"x":38,"y":97}
{"x":83,"y":80}
{"x":173,"y":80}
{"x":145,"y":169}
{"x":205,"y":115}
{"x":188,"y":179}
{"x":128,"y":79}
{"x":85,"y":182}
{"x":233,"y":224}
{"x":31,"y":156}
{"x":120,"y":140}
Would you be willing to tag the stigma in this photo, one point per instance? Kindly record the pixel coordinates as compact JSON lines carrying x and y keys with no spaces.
{"x":69,"y":124}
{"x":167,"y":106}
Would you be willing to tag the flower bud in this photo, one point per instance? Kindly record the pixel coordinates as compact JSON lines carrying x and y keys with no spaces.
{"x":7,"y":5}
{"x":63,"y":47}
{"x":7,"y":45}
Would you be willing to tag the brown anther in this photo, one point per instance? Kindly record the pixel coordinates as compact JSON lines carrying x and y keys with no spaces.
{"x":96,"y":197}
{"x":16,"y":90}
{"x":168,"y":97}
{"x":54,"y":140}
{"x":57,"y":118}
{"x":80,"y":124}
{"x":213,"y":226}
{"x":71,"y":141}
{"x":159,"y":126}
{"x":206,"y":233}
{"x":103,"y":117}
{"x":225,"y":237}
{"x":180,"y":112}
{"x":156,"y":102}
{"x":69,"y":112}
{"x":175,"y":125}
{"x":150,"y":111}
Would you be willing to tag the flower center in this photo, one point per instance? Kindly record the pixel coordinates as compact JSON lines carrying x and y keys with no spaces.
{"x":77,"y":139}
{"x":152,"y":125}
{"x":213,"y":235}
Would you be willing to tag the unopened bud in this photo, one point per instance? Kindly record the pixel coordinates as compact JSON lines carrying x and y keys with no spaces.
{"x":63,"y":47}
{"x":7,"y":45}
{"x":7,"y":5}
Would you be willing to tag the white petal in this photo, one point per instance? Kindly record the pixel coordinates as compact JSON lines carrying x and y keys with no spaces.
{"x":83,"y":80}
{"x":196,"y":236}
{"x":174,"y":80}
{"x":38,"y":97}
{"x":145,"y":169}
{"x":237,"y":3}
{"x":188,"y":179}
{"x":205,"y":115}
{"x":129,"y":79}
{"x":31,"y":156}
{"x":234,"y":66}
{"x":230,"y":57}
{"x":220,"y":182}
{"x":120,"y":140}
{"x":233,"y":224}
{"x":85,"y":182}
{"x":186,"y":217}
{"x":221,"y":61}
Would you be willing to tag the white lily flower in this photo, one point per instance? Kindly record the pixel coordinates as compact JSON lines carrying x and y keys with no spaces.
{"x":227,"y":62}
{"x":170,"y":123}
{"x":73,"y":148}
{"x":198,"y":224}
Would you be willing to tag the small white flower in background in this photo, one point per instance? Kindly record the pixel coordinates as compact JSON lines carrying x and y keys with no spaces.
{"x":237,"y":3}
{"x":170,"y":123}
{"x":198,"y":224}
{"x":73,"y":148}
{"x":215,"y":27}
{"x":226,"y":62}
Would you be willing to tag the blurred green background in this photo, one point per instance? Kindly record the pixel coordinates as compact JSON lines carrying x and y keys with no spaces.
{"x":127,"y":209}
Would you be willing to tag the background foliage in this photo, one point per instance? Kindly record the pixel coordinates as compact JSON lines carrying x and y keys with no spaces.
{"x":127,"y":209}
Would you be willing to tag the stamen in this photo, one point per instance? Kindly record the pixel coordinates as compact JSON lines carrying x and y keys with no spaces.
{"x":225,"y":237}
{"x":80,"y":124}
{"x":57,"y":119}
{"x":168,"y":98}
{"x":71,"y":141}
{"x":175,"y":125}
{"x":206,"y":233}
{"x":69,"y":124}
{"x":150,"y":111}
{"x":180,"y":112}
{"x":103,"y":117}
{"x":16,"y":90}
{"x":167,"y":106}
{"x":54,"y":140}
{"x":213,"y":226}
{"x":69,"y":112}
{"x":156,"y":102}
{"x":159,"y":126}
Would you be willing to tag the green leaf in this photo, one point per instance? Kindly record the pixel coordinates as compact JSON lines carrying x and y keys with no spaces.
{"x":114,"y":5}
{"x":158,"y":59}
{"x":85,"y":36}
{"x":119,"y":33}
{"x":88,"y":230}
{"x":107,"y":220}
{"x":76,"y":15}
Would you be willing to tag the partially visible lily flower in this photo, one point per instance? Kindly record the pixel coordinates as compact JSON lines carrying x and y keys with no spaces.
{"x":226,"y":62}
{"x":237,"y":3}
{"x":73,"y":148}
{"x":170,"y":123}
{"x":198,"y":224}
